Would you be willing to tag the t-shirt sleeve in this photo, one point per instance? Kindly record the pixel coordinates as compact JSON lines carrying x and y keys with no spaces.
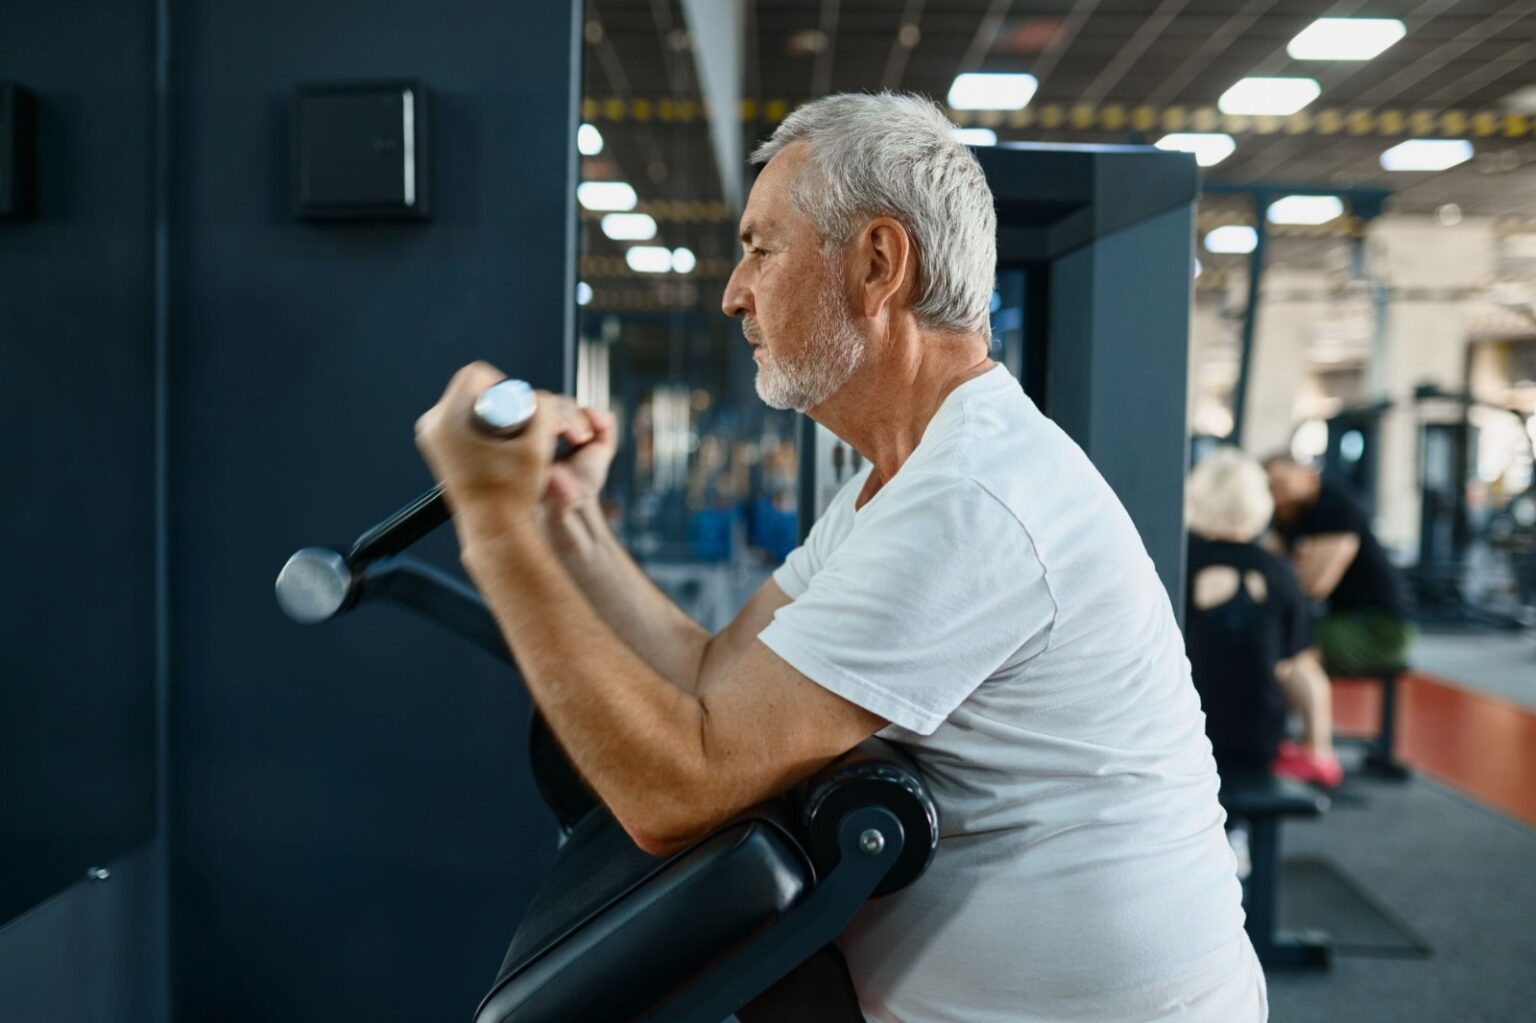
{"x":935,"y":587}
{"x":806,"y":560}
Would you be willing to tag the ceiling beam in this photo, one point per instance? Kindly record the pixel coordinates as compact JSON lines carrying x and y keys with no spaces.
{"x":908,"y":35}
{"x":986,"y":36}
{"x":821,"y":72}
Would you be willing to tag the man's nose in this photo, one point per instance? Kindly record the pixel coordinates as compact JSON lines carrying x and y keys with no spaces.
{"x":737,"y":300}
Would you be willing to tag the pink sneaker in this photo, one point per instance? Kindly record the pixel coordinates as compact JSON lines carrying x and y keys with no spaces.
{"x":1294,"y":760}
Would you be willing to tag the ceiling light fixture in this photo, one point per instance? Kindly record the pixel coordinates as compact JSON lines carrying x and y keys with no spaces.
{"x":1305,"y":209}
{"x":975,"y":91}
{"x":1426,"y":155}
{"x":1521,"y":101}
{"x":629,"y":227}
{"x":683,"y":261}
{"x":606,"y":195}
{"x":1345,"y":38}
{"x":649,"y":259}
{"x":589,"y":141}
{"x":1275,"y":96}
{"x":1234,"y":239}
{"x":1209,"y":148}
{"x":975,"y":136}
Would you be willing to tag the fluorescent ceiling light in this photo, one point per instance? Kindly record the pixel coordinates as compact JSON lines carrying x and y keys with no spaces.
{"x":649,"y":259}
{"x":683,"y":261}
{"x":1345,"y":38}
{"x":606,"y":195}
{"x":1276,"y":96}
{"x":1426,"y":155}
{"x":1521,"y":101}
{"x":992,"y":92}
{"x":975,"y":136}
{"x":583,"y":292}
{"x":1305,"y":209}
{"x":629,"y":227}
{"x":1232,"y":239}
{"x":1210,"y":148}
{"x":589,"y":141}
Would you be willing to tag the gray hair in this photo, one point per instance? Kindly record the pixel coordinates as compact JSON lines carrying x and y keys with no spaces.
{"x":894,"y":154}
{"x":1228,"y":497}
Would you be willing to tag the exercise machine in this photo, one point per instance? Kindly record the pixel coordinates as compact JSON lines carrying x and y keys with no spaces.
{"x":1446,"y":457}
{"x":741,"y":922}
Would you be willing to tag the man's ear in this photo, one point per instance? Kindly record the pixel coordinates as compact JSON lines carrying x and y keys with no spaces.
{"x":888,"y":264}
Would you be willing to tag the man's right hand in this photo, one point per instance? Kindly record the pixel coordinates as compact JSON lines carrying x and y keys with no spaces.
{"x":579,"y":477}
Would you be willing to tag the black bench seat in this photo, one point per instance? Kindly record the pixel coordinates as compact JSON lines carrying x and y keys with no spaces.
{"x":1263,"y":800}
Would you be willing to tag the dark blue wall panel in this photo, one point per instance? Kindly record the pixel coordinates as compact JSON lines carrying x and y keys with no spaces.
{"x":354,"y":832}
{"x":77,"y":586}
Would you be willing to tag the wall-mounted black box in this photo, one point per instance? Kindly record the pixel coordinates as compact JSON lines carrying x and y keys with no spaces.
{"x":15,"y":152}
{"x":361,"y":151}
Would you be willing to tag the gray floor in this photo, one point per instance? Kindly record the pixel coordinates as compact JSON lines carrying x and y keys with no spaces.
{"x":1463,"y":877}
{"x":1499,"y":663}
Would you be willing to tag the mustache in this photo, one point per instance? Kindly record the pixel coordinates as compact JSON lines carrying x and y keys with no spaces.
{"x":751,"y":331}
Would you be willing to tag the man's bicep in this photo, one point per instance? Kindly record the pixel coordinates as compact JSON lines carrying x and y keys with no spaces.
{"x":736,"y":638}
{"x":767,"y":727}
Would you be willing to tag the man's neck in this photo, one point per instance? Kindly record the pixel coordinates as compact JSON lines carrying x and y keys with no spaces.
{"x":884,"y":408}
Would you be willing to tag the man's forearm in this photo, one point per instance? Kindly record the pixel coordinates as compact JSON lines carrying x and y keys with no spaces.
{"x":624,"y":597}
{"x":1322,"y":561}
{"x":637,"y":739}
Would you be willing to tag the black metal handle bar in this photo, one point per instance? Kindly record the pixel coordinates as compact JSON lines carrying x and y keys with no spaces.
{"x":503,"y":410}
{"x":318,"y":583}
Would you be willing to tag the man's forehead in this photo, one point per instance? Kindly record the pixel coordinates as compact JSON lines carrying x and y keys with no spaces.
{"x":758,"y":218}
{"x":770,"y":190}
{"x":755,"y":224}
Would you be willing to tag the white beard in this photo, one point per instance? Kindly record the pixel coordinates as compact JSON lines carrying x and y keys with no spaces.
{"x":833,"y":349}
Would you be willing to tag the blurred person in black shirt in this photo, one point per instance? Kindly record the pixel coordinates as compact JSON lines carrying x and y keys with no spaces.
{"x":1248,"y":629}
{"x":1328,"y":535}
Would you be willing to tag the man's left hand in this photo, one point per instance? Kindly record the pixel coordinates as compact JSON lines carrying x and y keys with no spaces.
{"x":488,"y":477}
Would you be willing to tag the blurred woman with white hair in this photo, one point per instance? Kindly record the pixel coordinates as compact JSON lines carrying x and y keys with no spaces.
{"x":1247,"y":628}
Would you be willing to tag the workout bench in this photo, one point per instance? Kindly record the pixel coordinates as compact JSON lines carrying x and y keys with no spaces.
{"x":1380,"y":749}
{"x":1262,"y":800}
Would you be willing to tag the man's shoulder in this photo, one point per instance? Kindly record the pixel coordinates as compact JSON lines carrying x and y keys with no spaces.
{"x":948,"y":490}
{"x":1338,"y":509}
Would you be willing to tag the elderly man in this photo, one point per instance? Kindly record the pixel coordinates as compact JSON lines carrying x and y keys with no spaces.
{"x":976,"y":594}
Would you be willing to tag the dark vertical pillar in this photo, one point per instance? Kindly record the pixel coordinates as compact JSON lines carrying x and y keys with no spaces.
{"x":1118,"y":372}
{"x":77,"y":591}
{"x":354,"y":829}
{"x":1250,"y":317}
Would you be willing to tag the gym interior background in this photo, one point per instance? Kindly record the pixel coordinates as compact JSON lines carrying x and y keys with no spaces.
{"x":211,"y":359}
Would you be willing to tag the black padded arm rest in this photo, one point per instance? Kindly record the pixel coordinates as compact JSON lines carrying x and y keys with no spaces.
{"x":613,"y":932}
{"x":873,"y":773}
{"x":1264,"y":795}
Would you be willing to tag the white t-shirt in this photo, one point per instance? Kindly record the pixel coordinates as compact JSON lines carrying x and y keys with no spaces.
{"x":995,"y":603}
